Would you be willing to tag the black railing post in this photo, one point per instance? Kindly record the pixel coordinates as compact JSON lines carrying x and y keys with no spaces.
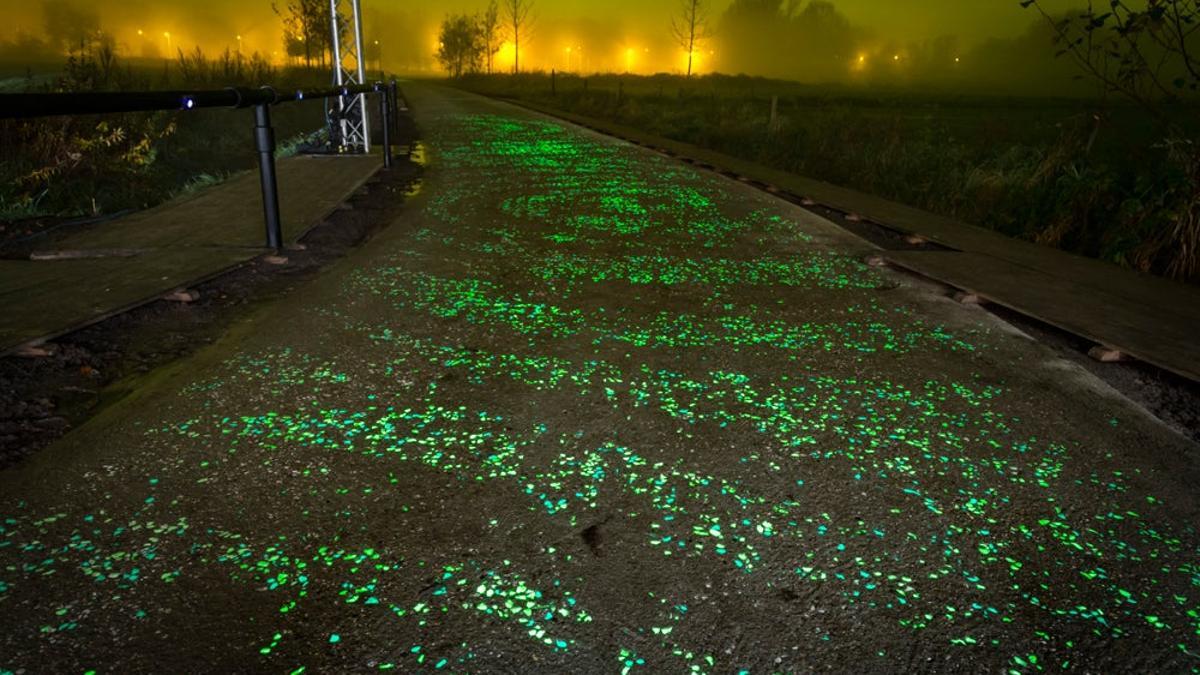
{"x":264,"y":137}
{"x":385,"y":112}
{"x":394,"y":91}
{"x":21,"y":106}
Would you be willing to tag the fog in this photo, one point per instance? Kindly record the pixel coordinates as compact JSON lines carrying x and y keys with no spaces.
{"x":967,"y":44}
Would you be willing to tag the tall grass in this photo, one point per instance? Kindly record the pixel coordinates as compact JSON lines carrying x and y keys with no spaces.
{"x":1079,"y":175}
{"x":91,"y":165}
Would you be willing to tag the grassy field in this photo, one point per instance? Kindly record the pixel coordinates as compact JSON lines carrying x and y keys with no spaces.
{"x":66,"y":167}
{"x":1091,"y":178}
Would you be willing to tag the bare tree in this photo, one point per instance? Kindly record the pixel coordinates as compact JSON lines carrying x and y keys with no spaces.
{"x":519,"y":22}
{"x":489,"y":28}
{"x":690,"y":26}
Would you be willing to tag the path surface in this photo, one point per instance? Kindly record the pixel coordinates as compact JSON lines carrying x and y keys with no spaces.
{"x":1153,"y":319}
{"x":584,"y":409}
{"x":157,"y":250}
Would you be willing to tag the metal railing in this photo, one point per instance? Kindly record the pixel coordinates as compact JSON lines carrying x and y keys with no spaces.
{"x":24,"y":106}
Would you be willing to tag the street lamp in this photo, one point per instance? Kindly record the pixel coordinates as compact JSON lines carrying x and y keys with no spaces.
{"x":167,"y":34}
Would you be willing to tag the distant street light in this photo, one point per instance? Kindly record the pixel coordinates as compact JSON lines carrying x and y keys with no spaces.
{"x":167,"y":34}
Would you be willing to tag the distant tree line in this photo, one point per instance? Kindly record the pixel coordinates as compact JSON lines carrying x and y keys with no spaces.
{"x":307,"y":30}
{"x":469,"y":43}
{"x":803,"y":40}
{"x":72,"y":27}
{"x":813,"y":41}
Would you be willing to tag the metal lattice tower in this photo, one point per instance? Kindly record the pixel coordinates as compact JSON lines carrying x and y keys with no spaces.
{"x":349,"y":68}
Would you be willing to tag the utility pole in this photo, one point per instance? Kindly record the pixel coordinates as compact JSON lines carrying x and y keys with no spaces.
{"x":349,"y":68}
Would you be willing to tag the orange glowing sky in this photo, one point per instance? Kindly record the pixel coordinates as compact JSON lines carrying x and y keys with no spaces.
{"x":605,"y":35}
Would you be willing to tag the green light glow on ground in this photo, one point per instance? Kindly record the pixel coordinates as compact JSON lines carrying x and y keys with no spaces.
{"x":619,"y":368}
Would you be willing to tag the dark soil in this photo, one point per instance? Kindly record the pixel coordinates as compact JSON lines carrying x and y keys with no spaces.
{"x":43,"y":398}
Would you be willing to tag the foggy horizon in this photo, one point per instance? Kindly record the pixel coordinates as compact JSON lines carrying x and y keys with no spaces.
{"x":870,"y":42}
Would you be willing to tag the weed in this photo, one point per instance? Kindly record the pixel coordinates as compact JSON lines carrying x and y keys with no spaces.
{"x":88,"y":165}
